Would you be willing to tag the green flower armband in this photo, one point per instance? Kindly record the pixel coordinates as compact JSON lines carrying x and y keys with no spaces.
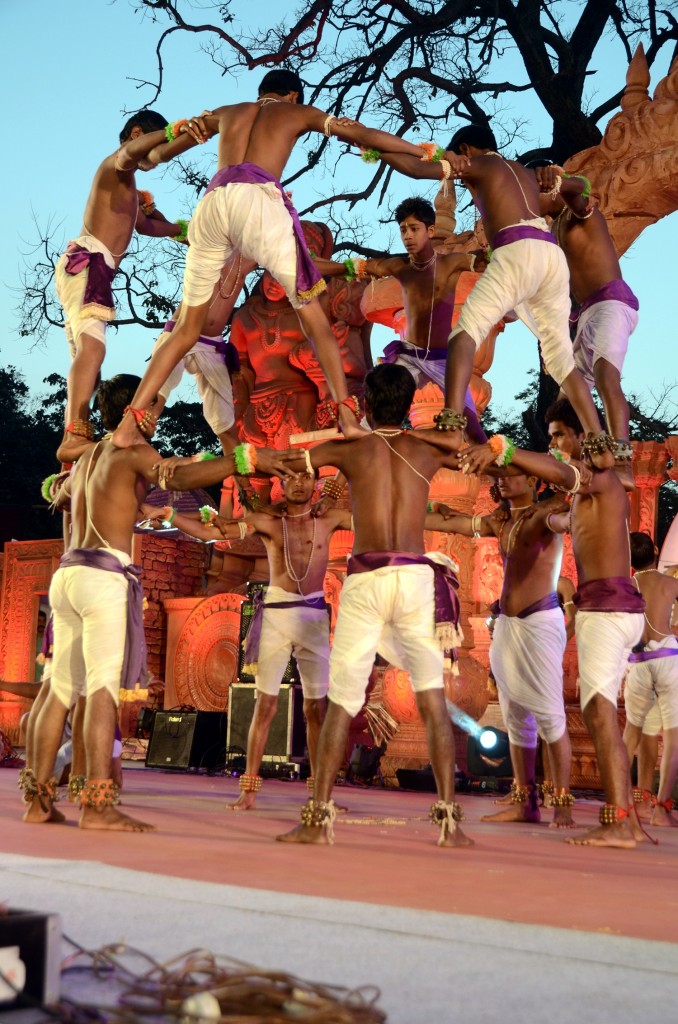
{"x":351,"y":273}
{"x":183,"y":230}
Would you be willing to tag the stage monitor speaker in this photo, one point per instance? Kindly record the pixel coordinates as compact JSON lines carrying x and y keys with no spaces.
{"x":287,"y":738}
{"x":187,"y":739}
{"x":291,"y":673}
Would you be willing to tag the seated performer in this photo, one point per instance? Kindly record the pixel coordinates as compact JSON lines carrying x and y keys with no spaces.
{"x":213,"y":361}
{"x":396,"y":599}
{"x":84,"y":273}
{"x":605,"y":310}
{"x":292,"y":617}
{"x":96,"y":598}
{"x":528,"y":642}
{"x":609,"y":620}
{"x":428,"y":280}
{"x":527,"y":268}
{"x":246,"y":208}
{"x":653,"y":675}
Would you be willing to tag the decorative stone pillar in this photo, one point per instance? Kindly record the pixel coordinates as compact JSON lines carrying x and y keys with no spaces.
{"x":649,"y":469}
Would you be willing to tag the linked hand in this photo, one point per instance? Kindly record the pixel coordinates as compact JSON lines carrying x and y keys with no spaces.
{"x":197,"y":128}
{"x":547,"y":177}
{"x":476,"y":458}
{"x":166,"y":468}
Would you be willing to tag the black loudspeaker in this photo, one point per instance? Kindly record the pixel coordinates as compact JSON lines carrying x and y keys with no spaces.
{"x":291,"y":674}
{"x":287,"y":738}
{"x":187,"y":739}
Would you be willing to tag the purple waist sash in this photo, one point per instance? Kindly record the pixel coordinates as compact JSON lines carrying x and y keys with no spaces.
{"x":134,"y":662}
{"x":544,"y":604}
{"x":652,"y":655}
{"x":516,"y":232}
{"x":98,"y":298}
{"x":309,"y":279}
{"x":228,"y":351}
{"x":614,"y":594}
{"x":47,"y":645}
{"x":396,"y":348}
{"x":253,"y":638}
{"x":616,"y":290}
{"x":447,"y":614}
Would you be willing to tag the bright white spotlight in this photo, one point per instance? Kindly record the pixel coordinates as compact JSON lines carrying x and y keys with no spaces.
{"x":488,"y":739}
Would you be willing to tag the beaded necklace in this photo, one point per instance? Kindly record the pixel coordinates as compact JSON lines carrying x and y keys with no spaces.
{"x":289,"y":568}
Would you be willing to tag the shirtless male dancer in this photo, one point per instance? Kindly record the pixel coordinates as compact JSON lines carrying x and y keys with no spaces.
{"x":246,"y":208}
{"x":605,"y":308}
{"x":96,"y":598}
{"x":428,"y":280}
{"x":213,"y":361}
{"x":609,"y":620}
{"x":527,"y":268}
{"x":396,"y":599}
{"x":653,"y":676}
{"x":84,"y":273}
{"x":528,"y":642}
{"x":290,"y":619}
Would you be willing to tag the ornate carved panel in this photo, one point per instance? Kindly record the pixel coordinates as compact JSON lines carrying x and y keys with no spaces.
{"x":27,"y":571}
{"x":206,"y":656}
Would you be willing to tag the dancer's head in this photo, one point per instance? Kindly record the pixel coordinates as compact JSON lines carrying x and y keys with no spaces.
{"x":644,"y":551}
{"x":416,"y":219}
{"x":389,"y":390}
{"x":473,"y":140}
{"x":565,"y":430}
{"x":282,"y":82}
{"x":113,"y":396}
{"x":141,"y":123}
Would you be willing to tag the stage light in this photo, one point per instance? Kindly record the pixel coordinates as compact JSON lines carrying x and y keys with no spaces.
{"x":488,"y":755}
{"x":488,"y":739}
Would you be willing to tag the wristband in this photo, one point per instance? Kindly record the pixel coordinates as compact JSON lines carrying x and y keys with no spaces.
{"x":183,"y":230}
{"x":172,"y":131}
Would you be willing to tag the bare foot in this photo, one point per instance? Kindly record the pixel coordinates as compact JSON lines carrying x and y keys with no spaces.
{"x":35,"y":813}
{"x":502,"y":801}
{"x":661,"y":818}
{"x":456,"y":838}
{"x":245,"y":802}
{"x":111,"y":820}
{"x":72,"y":447}
{"x":619,"y":835}
{"x":127,"y":433}
{"x":562,"y":818}
{"x":515,"y":812}
{"x":602,"y":460}
{"x":306,"y":834}
{"x":625,"y":474}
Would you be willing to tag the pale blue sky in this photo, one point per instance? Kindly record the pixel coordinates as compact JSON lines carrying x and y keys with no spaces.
{"x":67,"y":73}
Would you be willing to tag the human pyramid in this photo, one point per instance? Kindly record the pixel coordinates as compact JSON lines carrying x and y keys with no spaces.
{"x":396,"y":600}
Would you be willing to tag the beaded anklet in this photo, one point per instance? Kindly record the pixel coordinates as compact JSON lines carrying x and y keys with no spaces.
{"x":610,"y":814}
{"x":446,"y":816}
{"x":46,"y":792}
{"x":319,"y":814}
{"x":546,"y":789}
{"x":310,"y":783}
{"x":100,"y":794}
{"x":562,"y":798}
{"x":145,"y":420}
{"x":666,"y":804}
{"x":81,"y":428}
{"x":76,"y":784}
{"x":641,"y":796}
{"x":448,"y":419}
{"x":598,"y":444}
{"x":250,"y":783}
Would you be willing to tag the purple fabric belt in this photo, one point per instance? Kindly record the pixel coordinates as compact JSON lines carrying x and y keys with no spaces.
{"x":544,"y":604}
{"x":134,"y":663}
{"x":614,"y":594}
{"x":228,"y":351}
{"x":98,"y":290}
{"x":447,"y":607}
{"x":396,"y":348}
{"x":253,"y":638}
{"x":658,"y":652}
{"x":616,"y":290}
{"x":48,"y":638}
{"x":309,"y":279}
{"x":517,"y":232}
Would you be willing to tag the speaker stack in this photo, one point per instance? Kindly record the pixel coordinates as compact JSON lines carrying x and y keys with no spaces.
{"x":187,"y":739}
{"x":287,"y":738}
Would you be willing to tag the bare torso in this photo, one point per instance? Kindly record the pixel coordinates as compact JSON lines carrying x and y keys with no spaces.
{"x":660,"y":593}
{"x":106,"y":493}
{"x":495,"y":185}
{"x":434,"y":286}
{"x":532,"y":557}
{"x":589,"y":251}
{"x":112,"y":207}
{"x":307,"y":545}
{"x":600,"y":532}
{"x":262,"y":134}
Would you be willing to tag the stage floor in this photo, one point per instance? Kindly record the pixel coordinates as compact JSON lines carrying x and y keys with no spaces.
{"x":385,"y":854}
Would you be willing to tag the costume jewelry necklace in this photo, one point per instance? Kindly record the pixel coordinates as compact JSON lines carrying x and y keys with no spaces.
{"x":418,"y":358}
{"x":289,"y":568}
{"x":515,"y":529}
{"x":402,"y":457}
{"x":268,"y":99}
{"x":222,"y":284}
{"x":424,"y":264}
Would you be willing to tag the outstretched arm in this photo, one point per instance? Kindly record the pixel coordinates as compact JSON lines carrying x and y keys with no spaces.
{"x":187,"y":474}
{"x":417,"y":168}
{"x":192,"y":132}
{"x":467,"y":526}
{"x":156,"y":225}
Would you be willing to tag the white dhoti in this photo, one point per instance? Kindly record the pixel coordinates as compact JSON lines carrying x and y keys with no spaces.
{"x":424,"y":370}
{"x":90,"y":626}
{"x":250,"y":217}
{"x":651,"y":684}
{"x":212,"y":378}
{"x":531,"y":277}
{"x":526,"y":658}
{"x":300,"y":631}
{"x":390,"y":611}
{"x":70,"y":290}
{"x":604,"y":642}
{"x":603,"y":332}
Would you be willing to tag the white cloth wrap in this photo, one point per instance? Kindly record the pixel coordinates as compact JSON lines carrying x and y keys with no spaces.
{"x":90,"y":626}
{"x":212,"y":378}
{"x":532,"y":278}
{"x":70,"y":290}
{"x":603,"y":332}
{"x":302,"y":632}
{"x":604,"y":642}
{"x":390,"y":611}
{"x":653,"y":683}
{"x":526,"y":657}
{"x":249,"y":217}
